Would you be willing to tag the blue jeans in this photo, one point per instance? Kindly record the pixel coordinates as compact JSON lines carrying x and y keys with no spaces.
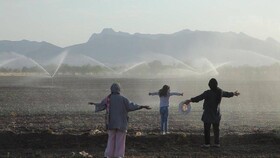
{"x":164,"y":119}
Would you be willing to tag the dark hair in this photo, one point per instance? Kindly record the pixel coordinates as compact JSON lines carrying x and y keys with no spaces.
{"x":163,"y":91}
{"x":213,"y":84}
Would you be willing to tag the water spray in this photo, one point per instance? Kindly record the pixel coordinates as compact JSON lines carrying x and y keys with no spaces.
{"x":214,"y":68}
{"x":7,"y":62}
{"x":132,"y":67}
{"x":33,"y":61}
{"x":178,"y":61}
{"x":263,"y":56}
{"x":64,"y":54}
{"x":99,"y":63}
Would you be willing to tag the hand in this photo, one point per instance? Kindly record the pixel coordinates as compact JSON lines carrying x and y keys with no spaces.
{"x":146,"y":107}
{"x":182,"y":94}
{"x":236,"y":93}
{"x":187,"y":102}
{"x":90,"y":103}
{"x":149,"y":93}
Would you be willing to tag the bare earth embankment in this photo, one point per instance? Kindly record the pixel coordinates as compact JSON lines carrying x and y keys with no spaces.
{"x":67,"y":135}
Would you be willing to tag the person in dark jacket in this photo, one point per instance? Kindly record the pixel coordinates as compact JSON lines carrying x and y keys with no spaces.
{"x":211,"y":106}
{"x":117,"y":108}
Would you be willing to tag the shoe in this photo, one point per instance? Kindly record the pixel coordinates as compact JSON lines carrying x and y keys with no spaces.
{"x":167,"y":133}
{"x":216,"y":145}
{"x":162,"y":133}
{"x":205,"y":146}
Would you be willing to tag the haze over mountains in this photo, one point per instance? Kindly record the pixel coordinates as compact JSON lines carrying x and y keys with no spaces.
{"x":186,"y":47}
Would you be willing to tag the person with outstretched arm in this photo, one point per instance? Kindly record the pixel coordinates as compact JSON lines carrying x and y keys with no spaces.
{"x":211,"y":114}
{"x":117,"y":108}
{"x":164,"y":95}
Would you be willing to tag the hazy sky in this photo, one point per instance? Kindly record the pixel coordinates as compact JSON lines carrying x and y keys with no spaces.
{"x":67,"y":22}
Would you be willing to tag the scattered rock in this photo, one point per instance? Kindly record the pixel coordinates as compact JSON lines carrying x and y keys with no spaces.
{"x":85,"y":154}
{"x":138,"y":133}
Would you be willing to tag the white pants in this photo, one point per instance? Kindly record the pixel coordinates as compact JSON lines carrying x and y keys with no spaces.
{"x":116,"y":143}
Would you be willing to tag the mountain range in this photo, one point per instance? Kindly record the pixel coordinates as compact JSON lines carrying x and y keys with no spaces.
{"x":111,"y":48}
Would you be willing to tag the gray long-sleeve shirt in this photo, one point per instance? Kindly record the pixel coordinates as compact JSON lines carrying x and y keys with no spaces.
{"x":118,"y":111}
{"x":211,"y":113}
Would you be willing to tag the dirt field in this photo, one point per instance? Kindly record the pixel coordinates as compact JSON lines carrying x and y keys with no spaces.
{"x":43,"y":119}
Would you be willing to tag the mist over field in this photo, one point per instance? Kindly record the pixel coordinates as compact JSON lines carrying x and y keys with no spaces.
{"x":118,"y":54}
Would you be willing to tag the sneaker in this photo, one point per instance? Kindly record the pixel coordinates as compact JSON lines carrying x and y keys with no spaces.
{"x":206,"y":146}
{"x":162,"y":133}
{"x":167,"y":133}
{"x":216,"y":145}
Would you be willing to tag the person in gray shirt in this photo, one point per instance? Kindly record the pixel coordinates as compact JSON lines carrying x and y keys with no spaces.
{"x":117,"y":108}
{"x":211,"y":106}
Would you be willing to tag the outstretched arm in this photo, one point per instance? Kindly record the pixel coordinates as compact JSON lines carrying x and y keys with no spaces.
{"x":99,"y":106}
{"x":145,"y":107}
{"x":132,"y":106}
{"x":176,"y":93}
{"x":197,"y":98}
{"x":153,"y":93}
{"x":92,"y":103}
{"x":230,"y":94}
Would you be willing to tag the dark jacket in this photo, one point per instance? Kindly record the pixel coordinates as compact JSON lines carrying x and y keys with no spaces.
{"x":211,"y":107}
